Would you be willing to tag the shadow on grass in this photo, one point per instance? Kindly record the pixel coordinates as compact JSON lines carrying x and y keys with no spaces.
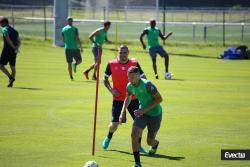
{"x":27,"y":88}
{"x":193,"y":55}
{"x":154,"y":156}
{"x":176,"y":79}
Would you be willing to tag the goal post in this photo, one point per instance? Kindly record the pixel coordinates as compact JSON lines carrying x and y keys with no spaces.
{"x":61,"y":8}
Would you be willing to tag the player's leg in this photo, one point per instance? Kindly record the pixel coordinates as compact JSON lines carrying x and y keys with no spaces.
{"x":86,"y":72}
{"x":116,"y":110}
{"x":165,"y":55}
{"x":137,"y":129}
{"x":153,"y":125}
{"x":4,"y":59}
{"x":153,"y":54}
{"x":92,"y":66}
{"x":69,"y":59}
{"x":78,"y":59}
{"x":13,"y":75}
{"x":98,"y":52}
{"x":134,"y":105}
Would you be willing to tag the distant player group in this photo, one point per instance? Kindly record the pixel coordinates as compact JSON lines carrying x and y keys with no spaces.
{"x":130,"y":88}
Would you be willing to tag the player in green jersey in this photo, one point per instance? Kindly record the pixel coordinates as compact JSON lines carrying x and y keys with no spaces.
{"x":148,"y":115}
{"x":97,"y":38}
{"x":153,"y":33}
{"x":72,"y":43}
{"x":11,"y":45}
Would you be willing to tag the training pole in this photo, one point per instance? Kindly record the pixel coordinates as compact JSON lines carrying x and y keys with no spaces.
{"x":96,"y":100}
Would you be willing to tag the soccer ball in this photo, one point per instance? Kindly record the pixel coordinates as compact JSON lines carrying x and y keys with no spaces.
{"x":91,"y":164}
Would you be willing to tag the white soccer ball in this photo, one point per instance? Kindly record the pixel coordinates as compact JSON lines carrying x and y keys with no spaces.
{"x":91,"y":164}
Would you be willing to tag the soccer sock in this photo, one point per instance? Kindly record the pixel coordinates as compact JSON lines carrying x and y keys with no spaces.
{"x":137,"y":157}
{"x":75,"y":64}
{"x":110,"y":135}
{"x":155,"y":147}
{"x":11,"y":77}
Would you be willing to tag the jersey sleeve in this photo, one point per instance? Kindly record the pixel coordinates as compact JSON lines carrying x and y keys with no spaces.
{"x":108,"y":72}
{"x":77,"y":33}
{"x":5,"y":32}
{"x":129,"y":89}
{"x":151,"y":88}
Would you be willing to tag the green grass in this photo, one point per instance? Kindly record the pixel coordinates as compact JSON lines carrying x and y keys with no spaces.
{"x":46,"y":120}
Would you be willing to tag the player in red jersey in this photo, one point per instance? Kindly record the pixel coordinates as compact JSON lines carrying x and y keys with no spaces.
{"x":118,"y":68}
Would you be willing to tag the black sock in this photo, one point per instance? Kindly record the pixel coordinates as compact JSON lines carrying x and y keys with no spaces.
{"x":155,"y":147}
{"x":137,"y":157}
{"x":11,"y":77}
{"x":110,"y":135}
{"x":71,"y":76}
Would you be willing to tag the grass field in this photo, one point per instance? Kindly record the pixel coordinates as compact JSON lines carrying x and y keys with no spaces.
{"x":46,"y":120}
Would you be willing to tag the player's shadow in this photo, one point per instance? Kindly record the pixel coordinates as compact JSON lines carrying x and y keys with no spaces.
{"x":154,"y":156}
{"x":166,"y":157}
{"x":27,"y":88}
{"x":193,"y":55}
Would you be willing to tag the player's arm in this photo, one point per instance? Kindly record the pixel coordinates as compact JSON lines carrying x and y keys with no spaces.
{"x":18,"y":41}
{"x":166,"y":36}
{"x":142,"y":75}
{"x":125,"y":105}
{"x":94,"y":33}
{"x":107,"y":83}
{"x":157,"y":99}
{"x":79,"y":40}
{"x":141,"y":38}
{"x":6,"y":36}
{"x":62,"y":37}
{"x":106,"y":39}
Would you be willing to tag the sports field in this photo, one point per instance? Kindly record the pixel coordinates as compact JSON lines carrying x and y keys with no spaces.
{"x":46,"y":120}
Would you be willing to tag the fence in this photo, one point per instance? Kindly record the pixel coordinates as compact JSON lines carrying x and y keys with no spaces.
{"x":196,"y":25}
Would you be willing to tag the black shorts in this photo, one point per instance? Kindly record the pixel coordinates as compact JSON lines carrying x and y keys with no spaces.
{"x":153,"y":124}
{"x":73,"y":53}
{"x":8,"y":56}
{"x":117,"y":107}
{"x":157,"y":49}
{"x":95,"y":53}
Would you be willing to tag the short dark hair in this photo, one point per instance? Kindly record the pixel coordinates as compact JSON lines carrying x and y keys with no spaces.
{"x":152,"y":20}
{"x":133,"y":69}
{"x":106,"y":23}
{"x":123,"y":46}
{"x":4,"y":20}
{"x":69,"y":18}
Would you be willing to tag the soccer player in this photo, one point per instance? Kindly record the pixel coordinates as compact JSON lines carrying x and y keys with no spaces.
{"x":118,"y":68}
{"x":149,"y":114}
{"x":72,"y":42}
{"x":153,"y":33}
{"x":97,"y":38}
{"x":11,"y":45}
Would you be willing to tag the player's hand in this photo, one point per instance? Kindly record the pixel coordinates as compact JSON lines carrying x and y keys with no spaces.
{"x":122,"y":118}
{"x":109,"y":42}
{"x":138,"y":112}
{"x":144,"y":47}
{"x":116,"y":93}
{"x":16,"y":50}
{"x":81,"y":49}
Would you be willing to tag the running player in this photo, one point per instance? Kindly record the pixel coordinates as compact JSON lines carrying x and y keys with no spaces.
{"x":118,"y":68}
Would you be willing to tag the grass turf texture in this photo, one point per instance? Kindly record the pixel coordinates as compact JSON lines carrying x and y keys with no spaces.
{"x":46,"y":120}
